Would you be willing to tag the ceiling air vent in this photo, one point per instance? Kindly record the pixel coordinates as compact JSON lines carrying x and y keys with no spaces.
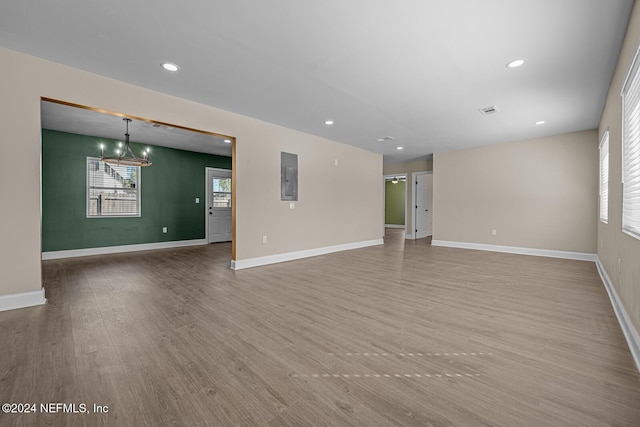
{"x":386,"y":138}
{"x":491,"y":109}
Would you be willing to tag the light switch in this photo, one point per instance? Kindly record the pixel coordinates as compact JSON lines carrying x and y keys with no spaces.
{"x":197,"y":199}
{"x":292,"y":205}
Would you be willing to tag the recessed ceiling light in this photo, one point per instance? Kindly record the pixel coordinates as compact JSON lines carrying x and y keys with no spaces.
{"x":540,"y":122}
{"x":399,"y":148}
{"x":516,"y":63}
{"x":228,"y":141}
{"x":328,"y":122}
{"x":169,"y":66}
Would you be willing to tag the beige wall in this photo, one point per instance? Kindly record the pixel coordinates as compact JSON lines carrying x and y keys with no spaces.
{"x":424,"y":165}
{"x":407,"y":168}
{"x":337,"y":204}
{"x":539,"y":194}
{"x":613,"y":244}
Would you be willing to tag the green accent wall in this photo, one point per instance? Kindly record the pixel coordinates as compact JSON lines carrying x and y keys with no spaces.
{"x":168,"y":189}
{"x":394,"y":202}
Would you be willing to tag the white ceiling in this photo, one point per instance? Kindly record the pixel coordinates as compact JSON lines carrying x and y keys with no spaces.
{"x":416,"y":70}
{"x":87,"y":122}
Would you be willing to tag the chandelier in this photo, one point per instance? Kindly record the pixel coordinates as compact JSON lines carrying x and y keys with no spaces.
{"x":124,"y":155}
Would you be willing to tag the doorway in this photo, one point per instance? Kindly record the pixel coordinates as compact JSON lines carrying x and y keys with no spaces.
{"x":423,"y":204}
{"x":80,"y":130}
{"x":395,"y":201}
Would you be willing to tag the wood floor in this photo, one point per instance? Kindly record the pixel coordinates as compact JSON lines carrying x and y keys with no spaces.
{"x":400,"y":334}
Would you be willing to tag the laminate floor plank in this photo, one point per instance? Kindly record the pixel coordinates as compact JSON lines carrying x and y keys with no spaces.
{"x":400,"y":334}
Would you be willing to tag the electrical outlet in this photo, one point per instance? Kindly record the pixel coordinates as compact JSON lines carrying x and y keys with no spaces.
{"x":164,"y":229}
{"x":619,"y":265}
{"x":494,"y":232}
{"x":264,"y":239}
{"x":335,"y":162}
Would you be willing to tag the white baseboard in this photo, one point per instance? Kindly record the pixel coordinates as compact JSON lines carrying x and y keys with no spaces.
{"x":629,"y":331}
{"x":21,"y":300}
{"x":121,"y":249}
{"x":394,"y":226}
{"x":290,"y":256}
{"x":580,"y":256}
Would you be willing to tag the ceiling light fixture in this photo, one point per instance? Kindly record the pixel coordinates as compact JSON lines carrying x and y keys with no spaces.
{"x":540,"y":122}
{"x":394,"y":180}
{"x":328,"y":122}
{"x":170,"y":66}
{"x":516,"y":63}
{"x":125,"y":155}
{"x":227,"y":141}
{"x":399,"y":148}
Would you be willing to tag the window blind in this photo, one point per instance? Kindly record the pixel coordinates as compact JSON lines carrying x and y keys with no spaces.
{"x":631,"y":152}
{"x":604,"y":177}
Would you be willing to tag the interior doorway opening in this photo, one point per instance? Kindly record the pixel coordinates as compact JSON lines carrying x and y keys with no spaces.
{"x":171,"y":193}
{"x":395,"y":201}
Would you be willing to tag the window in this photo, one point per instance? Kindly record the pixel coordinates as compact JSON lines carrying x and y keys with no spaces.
{"x":604,"y":177}
{"x":631,"y":151}
{"x":221,"y":192}
{"x":112,"y":190}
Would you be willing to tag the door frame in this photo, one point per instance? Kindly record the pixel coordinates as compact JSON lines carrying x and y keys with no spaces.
{"x":414,"y":188}
{"x":208,"y":190}
{"x":384,"y":198}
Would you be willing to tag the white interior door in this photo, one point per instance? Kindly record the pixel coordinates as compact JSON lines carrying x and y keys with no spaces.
{"x":218,"y":205}
{"x":429,"y":178}
{"x":424,"y":201}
